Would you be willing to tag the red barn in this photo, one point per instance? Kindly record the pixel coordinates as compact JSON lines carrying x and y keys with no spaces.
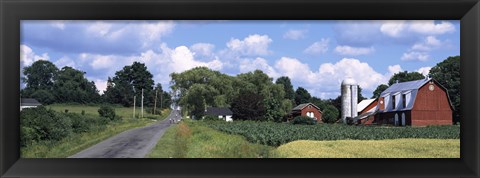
{"x":307,"y":109}
{"x":416,"y":103}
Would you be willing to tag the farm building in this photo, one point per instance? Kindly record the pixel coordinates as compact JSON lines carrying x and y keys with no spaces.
{"x":29,"y":103}
{"x":306,"y":109}
{"x":366,"y":111}
{"x":222,"y":113}
{"x":416,"y":103}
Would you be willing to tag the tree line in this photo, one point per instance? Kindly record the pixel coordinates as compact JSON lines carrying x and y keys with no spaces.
{"x":48,"y":84}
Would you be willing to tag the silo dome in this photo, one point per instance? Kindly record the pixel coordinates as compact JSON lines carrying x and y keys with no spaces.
{"x":349,"y":81}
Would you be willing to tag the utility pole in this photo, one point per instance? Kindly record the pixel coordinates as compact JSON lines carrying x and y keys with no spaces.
{"x":155,"y":105}
{"x":134,"y":98}
{"x":161,"y":100}
{"x":142,"y":102}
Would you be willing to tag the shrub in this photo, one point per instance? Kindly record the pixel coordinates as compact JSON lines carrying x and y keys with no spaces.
{"x":83,"y":112}
{"x":66,"y":110}
{"x":42,"y":124}
{"x":108,"y":112}
{"x":212,"y":118}
{"x":330,"y":114}
{"x":303,"y":120}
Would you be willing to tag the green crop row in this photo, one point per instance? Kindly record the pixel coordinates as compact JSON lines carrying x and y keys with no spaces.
{"x":275,"y":134}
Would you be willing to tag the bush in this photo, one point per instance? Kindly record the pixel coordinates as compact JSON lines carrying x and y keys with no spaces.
{"x":330,"y":114}
{"x":42,"y":124}
{"x":212,"y":118}
{"x":108,"y":112}
{"x":303,"y":120}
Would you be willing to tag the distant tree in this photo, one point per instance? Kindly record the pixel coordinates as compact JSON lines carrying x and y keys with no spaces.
{"x":318,"y":102}
{"x":379,"y":90}
{"x":129,"y":82}
{"x":248,"y":106}
{"x":197,"y":98}
{"x":330,"y":114}
{"x":287,"y":86}
{"x":302,"y":96}
{"x":405,"y":77}
{"x":72,"y":86}
{"x":39,"y":76}
{"x":43,"y":96}
{"x":359,"y":95}
{"x":447,"y":73}
{"x":257,"y":78}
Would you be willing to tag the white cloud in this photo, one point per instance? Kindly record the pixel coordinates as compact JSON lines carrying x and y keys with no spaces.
{"x":251,"y":45}
{"x":248,"y":65}
{"x":103,"y":61}
{"x":294,"y":69}
{"x":353,"y":51}
{"x":99,"y":28}
{"x":428,"y":44}
{"x":415,"y":56}
{"x":429,"y":27}
{"x":101,"y":85}
{"x":28,"y":56}
{"x":318,"y":47}
{"x":60,"y":24}
{"x":393,"y":28}
{"x":424,"y":70}
{"x":65,"y":61}
{"x":205,"y":49}
{"x":295,"y":34}
{"x":394,"y":69}
{"x":400,"y":28}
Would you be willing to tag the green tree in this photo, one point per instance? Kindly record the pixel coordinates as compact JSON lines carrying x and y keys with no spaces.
{"x":273,"y":97}
{"x":379,"y":90}
{"x":287,"y":86}
{"x":39,"y":76}
{"x":330,"y":114}
{"x":359,"y":94}
{"x":72,"y":86}
{"x":447,"y":73}
{"x":129,"y":82}
{"x":302,"y":96}
{"x":248,"y":106}
{"x":405,"y":77}
{"x":258,"y":79}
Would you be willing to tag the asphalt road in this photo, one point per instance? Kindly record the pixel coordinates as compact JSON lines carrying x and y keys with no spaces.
{"x":134,"y":143}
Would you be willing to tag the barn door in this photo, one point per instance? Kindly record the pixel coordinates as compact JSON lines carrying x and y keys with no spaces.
{"x":403,"y":119}
{"x":396,"y":119}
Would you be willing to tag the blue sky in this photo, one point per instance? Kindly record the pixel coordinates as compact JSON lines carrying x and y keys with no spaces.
{"x":316,"y":55}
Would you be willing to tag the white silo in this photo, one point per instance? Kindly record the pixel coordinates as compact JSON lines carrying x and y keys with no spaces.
{"x":349,"y":90}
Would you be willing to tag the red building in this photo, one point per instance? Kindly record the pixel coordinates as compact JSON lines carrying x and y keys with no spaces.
{"x":307,"y":109}
{"x":416,"y":103}
{"x":366,"y":111}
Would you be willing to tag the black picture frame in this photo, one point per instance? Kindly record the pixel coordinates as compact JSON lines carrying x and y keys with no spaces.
{"x":12,"y":11}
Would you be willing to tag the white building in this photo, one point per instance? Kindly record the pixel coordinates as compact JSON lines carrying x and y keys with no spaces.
{"x":29,"y":103}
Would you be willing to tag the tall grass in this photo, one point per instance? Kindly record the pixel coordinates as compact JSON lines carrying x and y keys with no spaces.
{"x":77,"y":142}
{"x":191,"y":139}
{"x":392,"y":148}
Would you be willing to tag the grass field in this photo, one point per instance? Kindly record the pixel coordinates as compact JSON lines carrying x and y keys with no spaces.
{"x":190,"y":139}
{"x":124,"y":112}
{"x":394,"y":148}
{"x":78,"y":142}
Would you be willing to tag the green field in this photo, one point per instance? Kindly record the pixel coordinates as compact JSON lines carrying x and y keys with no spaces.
{"x":79,"y":141}
{"x":395,"y":148}
{"x":276,"y":134}
{"x":124,"y":112}
{"x":189,"y":139}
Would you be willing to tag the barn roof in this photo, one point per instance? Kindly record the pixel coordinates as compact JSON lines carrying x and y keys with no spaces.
{"x":218,"y":111}
{"x":363,"y":104}
{"x":405,"y":86}
{"x":29,"y":102}
{"x":301,"y":106}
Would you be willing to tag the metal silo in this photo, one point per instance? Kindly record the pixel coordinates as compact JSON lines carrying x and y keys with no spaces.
{"x":349,"y":91}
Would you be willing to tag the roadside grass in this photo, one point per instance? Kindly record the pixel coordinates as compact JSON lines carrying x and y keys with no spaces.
{"x":77,"y":142}
{"x":393,"y":148}
{"x":192,"y":139}
{"x":124,"y":112}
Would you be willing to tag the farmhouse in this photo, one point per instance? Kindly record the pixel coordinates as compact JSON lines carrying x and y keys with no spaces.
{"x":222,"y":113}
{"x":416,"y":103}
{"x":307,"y":109}
{"x":29,"y":103}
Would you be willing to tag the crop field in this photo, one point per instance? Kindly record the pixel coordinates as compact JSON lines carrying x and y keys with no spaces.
{"x":391,"y":148}
{"x":276,"y":134}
